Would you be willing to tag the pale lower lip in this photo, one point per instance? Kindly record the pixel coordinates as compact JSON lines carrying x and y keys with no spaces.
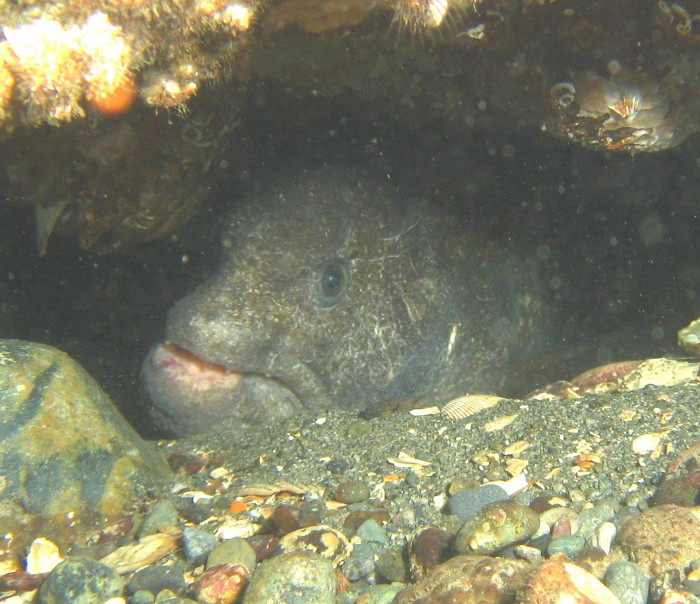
{"x":173,"y":359}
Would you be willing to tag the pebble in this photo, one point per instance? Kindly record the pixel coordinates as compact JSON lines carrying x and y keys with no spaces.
{"x":495,"y":527}
{"x":569,"y":545}
{"x":293,"y":578}
{"x":556,"y":582}
{"x":379,"y":594}
{"x":628,"y":582}
{"x":468,"y":580}
{"x":371,"y":530}
{"x":156,"y":578}
{"x":357,"y":567}
{"x":392,"y":566}
{"x":590,"y":519}
{"x":465,"y":504}
{"x":352,"y":491}
{"x":142,"y":597}
{"x":555,"y":516}
{"x":233,"y":551}
{"x":663,"y":582}
{"x":162,"y":515}
{"x":80,"y":581}
{"x":221,"y":584}
{"x":197,"y":544}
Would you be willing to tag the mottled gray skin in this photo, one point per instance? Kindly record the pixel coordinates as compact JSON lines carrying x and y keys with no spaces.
{"x":333,"y":293}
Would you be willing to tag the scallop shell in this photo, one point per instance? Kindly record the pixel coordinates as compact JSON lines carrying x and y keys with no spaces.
{"x":464,"y":406}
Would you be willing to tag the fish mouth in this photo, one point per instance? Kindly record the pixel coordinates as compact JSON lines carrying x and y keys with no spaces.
{"x":191,"y":394}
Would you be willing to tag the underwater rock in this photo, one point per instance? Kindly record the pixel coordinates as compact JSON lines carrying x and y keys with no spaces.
{"x":335,"y":293}
{"x":67,"y":457}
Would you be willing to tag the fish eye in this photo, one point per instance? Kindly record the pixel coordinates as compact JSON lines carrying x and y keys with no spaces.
{"x":334,"y":279}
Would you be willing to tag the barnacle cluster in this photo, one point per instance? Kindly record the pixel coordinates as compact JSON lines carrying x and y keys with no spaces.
{"x":626,"y":111}
{"x":57,"y":58}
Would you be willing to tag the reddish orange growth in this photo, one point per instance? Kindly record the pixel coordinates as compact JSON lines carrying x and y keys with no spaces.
{"x":118,"y":100}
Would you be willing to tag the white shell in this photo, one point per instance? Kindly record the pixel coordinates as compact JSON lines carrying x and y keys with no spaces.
{"x":469,"y":404}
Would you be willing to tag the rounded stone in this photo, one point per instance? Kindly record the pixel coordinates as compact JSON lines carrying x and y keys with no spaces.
{"x":142,"y":597}
{"x":233,"y":551}
{"x":197,"y":544}
{"x":157,"y":578}
{"x":662,"y":538}
{"x":556,"y":581}
{"x":64,"y":447}
{"x":80,"y":581}
{"x":357,"y":567}
{"x":222,"y":584}
{"x":495,"y":527}
{"x":469,"y":579}
{"x":371,"y":530}
{"x":352,"y":491}
{"x":569,"y":545}
{"x":465,"y":504}
{"x":297,"y":577}
{"x":162,"y":515}
{"x":392,"y":566}
{"x":628,"y":582}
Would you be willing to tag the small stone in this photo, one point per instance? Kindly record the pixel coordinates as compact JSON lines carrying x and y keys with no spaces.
{"x":569,"y":545}
{"x":371,"y":530}
{"x":221,"y":584}
{"x":379,"y":594}
{"x":354,"y":519}
{"x":495,"y":527}
{"x":358,"y":567}
{"x":555,"y":582}
{"x":80,"y":581}
{"x":297,"y":577}
{"x":264,"y":546}
{"x":352,"y":491}
{"x":162,"y":515}
{"x":678,"y":596}
{"x":428,"y":549}
{"x":233,"y":551}
{"x":628,"y":582}
{"x":405,"y":519}
{"x":197,"y":544}
{"x":663,"y":582}
{"x":156,"y":578}
{"x":392,"y":566}
{"x":358,"y":427}
{"x":469,"y":580}
{"x":337,"y":466}
{"x":466,"y":504}
{"x":286,"y":518}
{"x":557,"y":517}
{"x":590,"y":519}
{"x":142,"y":597}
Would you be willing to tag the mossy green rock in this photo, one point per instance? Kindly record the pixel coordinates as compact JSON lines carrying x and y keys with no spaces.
{"x":64,"y":447}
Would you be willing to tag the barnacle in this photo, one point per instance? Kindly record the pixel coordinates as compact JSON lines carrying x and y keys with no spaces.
{"x":628,"y":111}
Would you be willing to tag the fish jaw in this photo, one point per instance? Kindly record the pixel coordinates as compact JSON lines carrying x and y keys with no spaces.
{"x":192,"y":396}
